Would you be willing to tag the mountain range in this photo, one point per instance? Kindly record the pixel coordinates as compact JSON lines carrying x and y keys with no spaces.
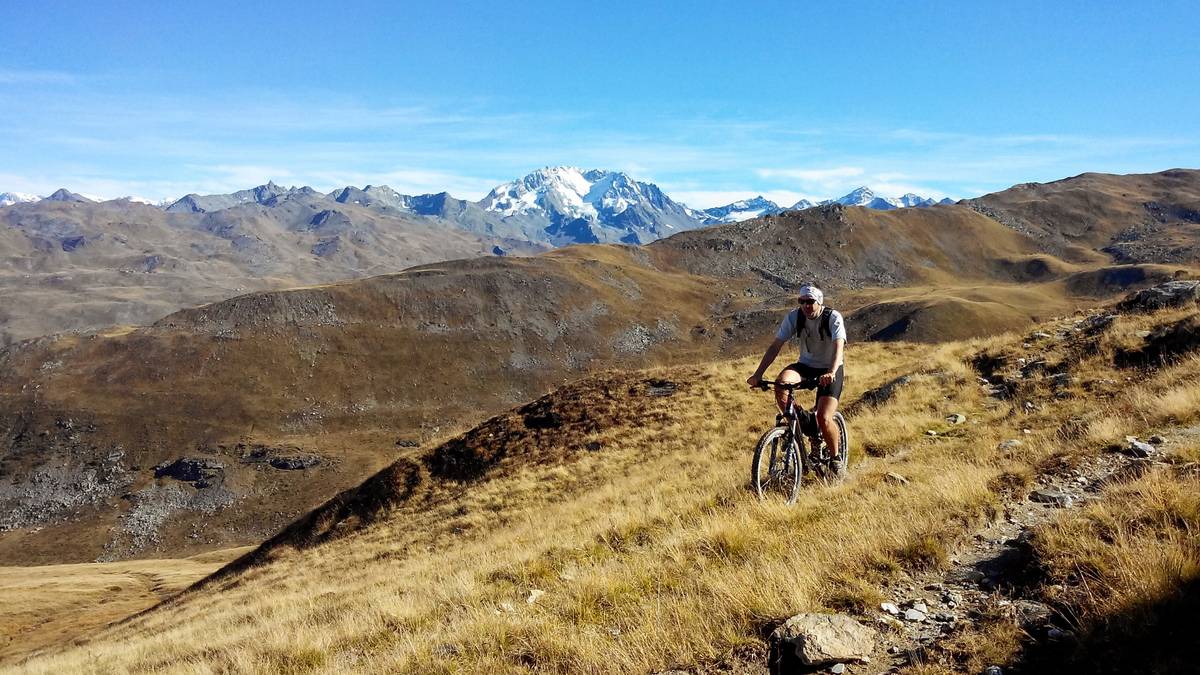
{"x":554,"y":206}
{"x":861,"y":196}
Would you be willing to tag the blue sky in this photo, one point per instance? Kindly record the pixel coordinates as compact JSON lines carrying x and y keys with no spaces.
{"x":713,"y":101}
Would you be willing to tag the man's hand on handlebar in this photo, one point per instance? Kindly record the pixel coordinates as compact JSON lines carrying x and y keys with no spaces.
{"x":755,"y":381}
{"x":825,"y":380}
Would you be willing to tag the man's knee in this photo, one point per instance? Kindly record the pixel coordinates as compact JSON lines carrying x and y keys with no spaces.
{"x":826,"y":408}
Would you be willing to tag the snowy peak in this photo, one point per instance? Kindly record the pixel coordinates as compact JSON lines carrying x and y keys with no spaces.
{"x":743,"y":209}
{"x":864,"y":196}
{"x":571,"y":192}
{"x":861,"y":196}
{"x":590,"y":206}
{"x":562,"y":189}
{"x":9,"y":198}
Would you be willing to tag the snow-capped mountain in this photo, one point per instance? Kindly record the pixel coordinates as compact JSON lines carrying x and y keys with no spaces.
{"x":864,"y":196}
{"x":158,"y":203}
{"x":7,"y":198}
{"x":590,"y":206}
{"x":744,"y":209}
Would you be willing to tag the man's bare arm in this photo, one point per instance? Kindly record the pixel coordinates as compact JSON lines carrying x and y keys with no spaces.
{"x":839,"y":346}
{"x":767,"y":359}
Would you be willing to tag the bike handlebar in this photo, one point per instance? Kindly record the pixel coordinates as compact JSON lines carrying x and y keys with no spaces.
{"x":806,"y":383}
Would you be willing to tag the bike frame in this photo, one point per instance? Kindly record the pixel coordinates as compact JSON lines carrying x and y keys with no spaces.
{"x":800,"y":422}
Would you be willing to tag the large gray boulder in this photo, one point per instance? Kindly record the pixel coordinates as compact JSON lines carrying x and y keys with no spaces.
{"x":1171,"y":294}
{"x":819,"y":640}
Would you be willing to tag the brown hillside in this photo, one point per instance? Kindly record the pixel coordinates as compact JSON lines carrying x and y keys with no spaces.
{"x":220,"y":424}
{"x":83,"y":266}
{"x":852,"y":247}
{"x":324,"y":379}
{"x":1143,"y":218}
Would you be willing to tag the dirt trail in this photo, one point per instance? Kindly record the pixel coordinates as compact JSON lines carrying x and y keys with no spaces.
{"x":156,"y":585}
{"x":986,"y":574}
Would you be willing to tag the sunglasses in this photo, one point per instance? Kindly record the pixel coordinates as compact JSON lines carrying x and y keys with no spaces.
{"x":808,"y":301}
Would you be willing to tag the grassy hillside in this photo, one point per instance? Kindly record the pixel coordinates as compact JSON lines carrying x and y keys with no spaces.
{"x":337,"y":374}
{"x":220,"y":424}
{"x":623,"y":500}
{"x":53,"y":605}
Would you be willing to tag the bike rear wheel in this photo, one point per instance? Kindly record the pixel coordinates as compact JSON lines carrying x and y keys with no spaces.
{"x":831,"y":469}
{"x":776,"y":466}
{"x":843,"y":447}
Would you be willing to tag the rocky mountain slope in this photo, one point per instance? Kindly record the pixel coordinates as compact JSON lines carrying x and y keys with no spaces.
{"x":67,"y":264}
{"x":220,"y":423}
{"x":1136,"y":218}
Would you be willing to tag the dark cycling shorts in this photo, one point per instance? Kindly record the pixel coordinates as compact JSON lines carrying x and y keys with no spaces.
{"x":834,"y":389}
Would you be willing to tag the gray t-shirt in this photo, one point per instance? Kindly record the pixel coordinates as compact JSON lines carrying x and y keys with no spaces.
{"x":814,"y":351}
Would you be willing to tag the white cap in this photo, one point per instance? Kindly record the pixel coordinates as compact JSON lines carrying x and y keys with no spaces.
{"x":810,"y":291}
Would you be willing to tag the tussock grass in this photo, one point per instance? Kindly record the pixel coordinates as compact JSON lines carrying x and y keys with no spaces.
{"x":650,"y":551}
{"x":1124,"y":575}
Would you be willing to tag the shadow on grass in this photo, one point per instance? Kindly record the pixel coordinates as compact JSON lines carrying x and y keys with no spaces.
{"x":1157,"y":637}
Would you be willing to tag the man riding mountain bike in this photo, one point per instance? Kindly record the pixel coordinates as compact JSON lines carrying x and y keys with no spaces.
{"x":822,"y":333}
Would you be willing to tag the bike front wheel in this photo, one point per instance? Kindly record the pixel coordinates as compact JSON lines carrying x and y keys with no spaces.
{"x":776,"y":466}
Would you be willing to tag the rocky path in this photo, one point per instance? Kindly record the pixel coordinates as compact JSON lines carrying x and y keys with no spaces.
{"x":985,"y":575}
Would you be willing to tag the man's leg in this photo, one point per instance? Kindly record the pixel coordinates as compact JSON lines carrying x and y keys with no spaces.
{"x":786,"y":376}
{"x":826,"y":407}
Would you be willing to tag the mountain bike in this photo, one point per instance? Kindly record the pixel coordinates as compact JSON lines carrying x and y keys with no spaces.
{"x":780,"y":461}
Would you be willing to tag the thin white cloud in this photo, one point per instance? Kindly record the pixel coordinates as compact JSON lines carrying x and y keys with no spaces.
{"x":819,"y":176}
{"x":8,"y":76}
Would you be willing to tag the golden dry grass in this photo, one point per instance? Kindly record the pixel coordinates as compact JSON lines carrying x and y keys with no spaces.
{"x":651,"y":553}
{"x":56,"y":604}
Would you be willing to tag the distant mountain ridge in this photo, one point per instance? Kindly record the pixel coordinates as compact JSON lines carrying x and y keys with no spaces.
{"x":552,"y":206}
{"x":862,"y":196}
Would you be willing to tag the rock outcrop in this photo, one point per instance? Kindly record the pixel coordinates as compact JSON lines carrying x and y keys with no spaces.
{"x":819,"y":640}
{"x":1169,"y":295}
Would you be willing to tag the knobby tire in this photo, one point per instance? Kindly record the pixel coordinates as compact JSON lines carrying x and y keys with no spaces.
{"x":775,"y":470}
